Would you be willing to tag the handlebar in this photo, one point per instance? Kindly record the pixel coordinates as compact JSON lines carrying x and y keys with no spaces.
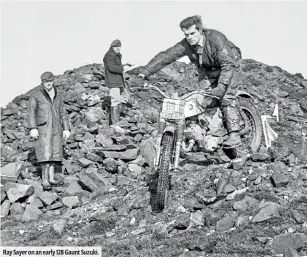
{"x":199,"y":92}
{"x":148,"y":86}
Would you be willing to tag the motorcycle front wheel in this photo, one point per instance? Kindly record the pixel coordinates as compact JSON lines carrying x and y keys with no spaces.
{"x":167,"y":147}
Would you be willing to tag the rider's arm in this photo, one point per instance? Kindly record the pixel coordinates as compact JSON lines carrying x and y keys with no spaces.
{"x":164,"y":58}
{"x":32,"y":105}
{"x":226,"y":59}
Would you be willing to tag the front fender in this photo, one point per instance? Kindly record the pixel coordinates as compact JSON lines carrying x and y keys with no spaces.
{"x":169,"y":129}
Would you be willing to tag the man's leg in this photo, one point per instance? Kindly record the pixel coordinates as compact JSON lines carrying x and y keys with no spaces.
{"x":45,"y":176}
{"x":229,"y":108}
{"x":124,"y":97}
{"x":232,"y":116}
{"x":231,"y":113}
{"x":115,"y":101}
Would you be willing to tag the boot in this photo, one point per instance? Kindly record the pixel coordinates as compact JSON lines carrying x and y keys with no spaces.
{"x":45,"y":171}
{"x":109,"y":120}
{"x":114,"y":115}
{"x":52,"y":181}
{"x":234,"y":139}
{"x":123,"y":109}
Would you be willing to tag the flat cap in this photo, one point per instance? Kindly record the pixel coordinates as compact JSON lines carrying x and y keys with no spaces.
{"x":116,"y":43}
{"x":47,"y":76}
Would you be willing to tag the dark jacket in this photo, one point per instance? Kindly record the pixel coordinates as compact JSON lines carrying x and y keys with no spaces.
{"x":219,"y":57}
{"x":50,"y":119}
{"x":113,"y":69}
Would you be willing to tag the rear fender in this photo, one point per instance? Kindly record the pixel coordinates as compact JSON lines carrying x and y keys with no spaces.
{"x":244,"y":94}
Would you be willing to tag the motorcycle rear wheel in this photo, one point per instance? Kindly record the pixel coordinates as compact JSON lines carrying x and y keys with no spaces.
{"x":164,"y":165}
{"x":252,"y":121}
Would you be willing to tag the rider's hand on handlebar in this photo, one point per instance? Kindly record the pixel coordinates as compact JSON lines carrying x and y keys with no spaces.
{"x":138,"y":81}
{"x":218,"y":91}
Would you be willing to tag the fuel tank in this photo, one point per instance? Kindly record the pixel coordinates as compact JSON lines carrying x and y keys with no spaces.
{"x":197,"y":104}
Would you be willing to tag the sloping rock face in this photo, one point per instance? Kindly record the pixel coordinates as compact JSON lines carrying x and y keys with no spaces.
{"x":238,"y":208}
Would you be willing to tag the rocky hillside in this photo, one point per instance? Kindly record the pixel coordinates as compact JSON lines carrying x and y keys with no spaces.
{"x":108,"y":180}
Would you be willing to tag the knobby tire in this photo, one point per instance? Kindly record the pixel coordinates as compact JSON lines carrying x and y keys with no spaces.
{"x":164,"y":165}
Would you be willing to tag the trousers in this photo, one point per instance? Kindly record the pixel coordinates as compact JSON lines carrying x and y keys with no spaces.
{"x":229,"y":104}
{"x":118,"y":95}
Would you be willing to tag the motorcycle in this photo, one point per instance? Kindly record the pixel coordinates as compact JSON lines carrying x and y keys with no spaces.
{"x":193,"y":122}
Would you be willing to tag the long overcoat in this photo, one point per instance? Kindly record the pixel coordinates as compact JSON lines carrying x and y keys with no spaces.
{"x":113,"y":69}
{"x":50,"y":118}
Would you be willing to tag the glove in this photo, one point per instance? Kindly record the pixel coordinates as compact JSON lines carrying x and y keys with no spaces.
{"x":34,"y":133}
{"x":219,"y":91}
{"x":66,"y":134}
{"x":138,"y":81}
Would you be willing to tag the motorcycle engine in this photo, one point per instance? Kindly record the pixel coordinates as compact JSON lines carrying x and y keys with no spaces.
{"x":194,"y":131}
{"x":199,"y":132}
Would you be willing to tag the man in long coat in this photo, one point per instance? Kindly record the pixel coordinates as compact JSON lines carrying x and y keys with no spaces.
{"x":115,"y":80}
{"x":47,"y":119}
{"x":218,"y":62}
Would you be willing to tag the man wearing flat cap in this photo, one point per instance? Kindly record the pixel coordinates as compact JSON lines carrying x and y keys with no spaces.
{"x":115,"y":80}
{"x":48,"y":125}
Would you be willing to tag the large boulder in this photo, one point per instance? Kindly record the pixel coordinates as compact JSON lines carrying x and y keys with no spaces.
{"x":17,"y":191}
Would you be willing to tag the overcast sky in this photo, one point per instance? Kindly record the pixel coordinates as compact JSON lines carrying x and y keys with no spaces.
{"x":57,"y":36}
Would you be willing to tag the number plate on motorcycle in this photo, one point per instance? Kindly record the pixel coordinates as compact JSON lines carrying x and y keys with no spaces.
{"x":172,"y":109}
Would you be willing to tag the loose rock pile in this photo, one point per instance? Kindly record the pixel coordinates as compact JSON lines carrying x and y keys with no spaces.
{"x":93,"y":153}
{"x":255,"y":205}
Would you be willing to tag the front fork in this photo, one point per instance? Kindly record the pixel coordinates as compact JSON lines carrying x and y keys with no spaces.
{"x":179,"y":137}
{"x":162,"y":125}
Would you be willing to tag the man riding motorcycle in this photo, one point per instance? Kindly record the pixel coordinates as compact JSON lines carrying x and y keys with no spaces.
{"x":217,"y":60}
